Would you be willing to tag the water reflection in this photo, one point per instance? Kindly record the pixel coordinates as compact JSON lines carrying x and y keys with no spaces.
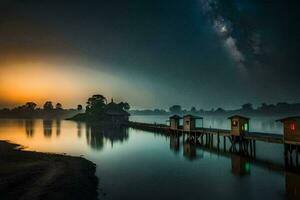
{"x":185,"y":162}
{"x":292,"y":185}
{"x":58,"y":127}
{"x":79,"y":129}
{"x":240,"y":165}
{"x":190,"y":150}
{"x":47,"y":126}
{"x":96,"y":135}
{"x":174,"y":143}
{"x":29,"y":128}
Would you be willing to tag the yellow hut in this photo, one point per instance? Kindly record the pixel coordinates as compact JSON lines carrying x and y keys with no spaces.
{"x":291,"y":129}
{"x":175,"y":122}
{"x":189,"y":122}
{"x":239,"y":125}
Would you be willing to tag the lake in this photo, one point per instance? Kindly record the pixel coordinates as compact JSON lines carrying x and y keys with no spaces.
{"x":135,"y":164}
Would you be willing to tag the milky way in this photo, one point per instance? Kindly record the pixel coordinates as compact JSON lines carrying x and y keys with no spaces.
{"x":242,"y":45}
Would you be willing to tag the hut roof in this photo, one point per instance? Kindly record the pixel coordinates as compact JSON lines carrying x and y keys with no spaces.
{"x":238,"y":116}
{"x":193,"y":116}
{"x":175,"y":117}
{"x":114,"y":109}
{"x":288,"y":118}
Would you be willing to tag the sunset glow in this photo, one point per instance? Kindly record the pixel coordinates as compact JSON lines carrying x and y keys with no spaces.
{"x":40,"y":82}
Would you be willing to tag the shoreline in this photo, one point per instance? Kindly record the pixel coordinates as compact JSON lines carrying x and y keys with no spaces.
{"x":35,"y":175}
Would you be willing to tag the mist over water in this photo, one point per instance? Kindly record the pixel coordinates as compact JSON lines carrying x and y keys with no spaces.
{"x":257,"y":124}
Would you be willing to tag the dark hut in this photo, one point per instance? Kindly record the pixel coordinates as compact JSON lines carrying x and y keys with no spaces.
{"x":115,"y":114}
{"x":189,"y":122}
{"x":175,"y":122}
{"x":291,"y":129}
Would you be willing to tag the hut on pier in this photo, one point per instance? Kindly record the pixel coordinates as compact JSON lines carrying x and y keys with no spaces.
{"x":291,"y":129}
{"x":239,"y":125}
{"x":175,"y":122}
{"x":189,"y":122}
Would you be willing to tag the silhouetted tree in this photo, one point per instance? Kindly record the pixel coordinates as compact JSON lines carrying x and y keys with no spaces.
{"x":79,"y":107}
{"x":124,"y":105}
{"x":30,"y":106}
{"x":58,"y":106}
{"x":193,"y":110}
{"x":220,"y":110}
{"x":263,"y":108}
{"x":95,"y":104}
{"x":247,"y":107}
{"x":175,"y":109}
{"x":48,"y":106}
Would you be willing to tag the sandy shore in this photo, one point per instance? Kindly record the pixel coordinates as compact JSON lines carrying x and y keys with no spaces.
{"x":31,"y":175}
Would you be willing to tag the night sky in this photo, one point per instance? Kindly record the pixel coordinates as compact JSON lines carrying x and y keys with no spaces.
{"x":151,"y":53}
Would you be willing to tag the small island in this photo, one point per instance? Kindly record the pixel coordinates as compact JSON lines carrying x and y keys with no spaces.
{"x":101,"y":112}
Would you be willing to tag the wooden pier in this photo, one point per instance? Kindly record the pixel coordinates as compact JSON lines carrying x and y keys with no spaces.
{"x":209,"y":132}
{"x":245,"y":142}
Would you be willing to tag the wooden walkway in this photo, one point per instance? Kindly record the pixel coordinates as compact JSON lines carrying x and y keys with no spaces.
{"x":246,"y":144}
{"x":255,"y":136}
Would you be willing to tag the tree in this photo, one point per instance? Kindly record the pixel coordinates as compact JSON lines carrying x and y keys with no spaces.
{"x":247,"y":107}
{"x":58,"y":106}
{"x":176,"y":109}
{"x":95,"y":104}
{"x":30,"y":106}
{"x":124,"y":105}
{"x":79,"y":107}
{"x":220,"y":110}
{"x":48,"y":106}
{"x":264,"y":107}
{"x":193,"y":110}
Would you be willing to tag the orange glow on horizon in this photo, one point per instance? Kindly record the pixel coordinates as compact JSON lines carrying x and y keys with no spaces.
{"x":64,"y":82}
{"x":40,"y":82}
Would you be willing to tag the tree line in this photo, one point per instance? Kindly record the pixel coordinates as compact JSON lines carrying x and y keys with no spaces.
{"x":48,"y":110}
{"x":95,"y":106}
{"x":279,"y":109}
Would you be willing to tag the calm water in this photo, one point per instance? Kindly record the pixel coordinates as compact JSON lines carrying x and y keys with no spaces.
{"x":133,"y":164}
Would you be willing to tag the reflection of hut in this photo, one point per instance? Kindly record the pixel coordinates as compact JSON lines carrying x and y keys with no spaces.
{"x":189,"y":122}
{"x":174,"y":143}
{"x":239,"y":125}
{"x":239,"y":165}
{"x":291,"y":129}
{"x":292,"y":185}
{"x":190,"y":151}
{"x":175,"y":122}
{"x":115,"y":114}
